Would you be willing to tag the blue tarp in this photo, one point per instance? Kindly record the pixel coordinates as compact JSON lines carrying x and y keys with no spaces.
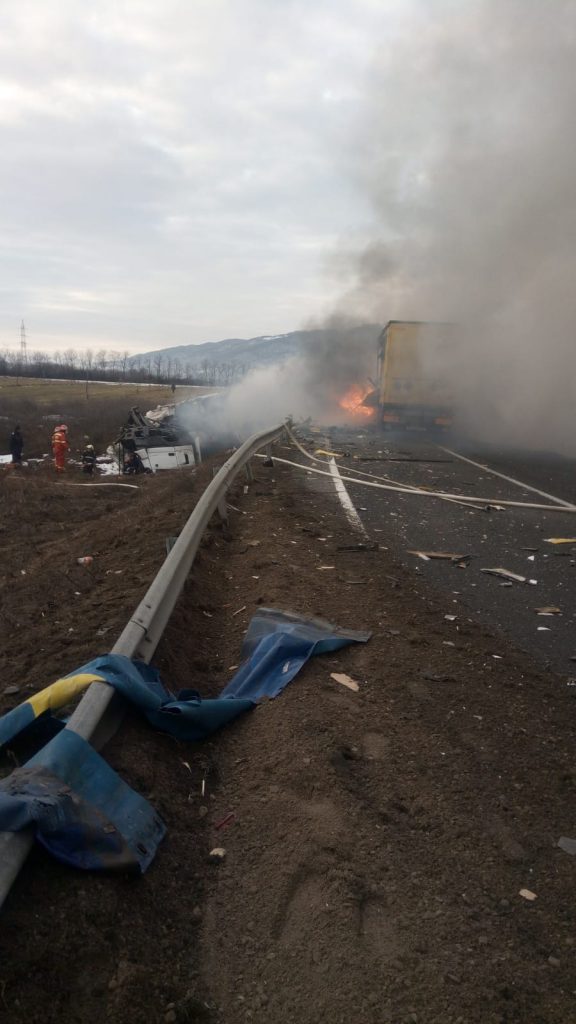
{"x":276,"y":646}
{"x":83,"y":811}
{"x":84,"y":814}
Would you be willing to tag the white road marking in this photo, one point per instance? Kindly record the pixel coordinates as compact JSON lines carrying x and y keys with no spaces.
{"x":347,"y":504}
{"x":510,"y":479}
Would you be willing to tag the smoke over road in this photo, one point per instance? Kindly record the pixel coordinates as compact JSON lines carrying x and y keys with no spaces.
{"x":465,"y":148}
{"x":468,"y":154}
{"x":335,"y":354}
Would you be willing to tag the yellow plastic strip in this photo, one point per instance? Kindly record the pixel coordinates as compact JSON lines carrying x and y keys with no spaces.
{"x":61,"y":692}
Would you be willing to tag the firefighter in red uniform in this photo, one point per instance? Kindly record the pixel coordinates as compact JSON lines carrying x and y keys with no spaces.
{"x":60,"y":446}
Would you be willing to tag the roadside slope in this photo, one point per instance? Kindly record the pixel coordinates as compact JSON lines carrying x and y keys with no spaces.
{"x":380,"y":838}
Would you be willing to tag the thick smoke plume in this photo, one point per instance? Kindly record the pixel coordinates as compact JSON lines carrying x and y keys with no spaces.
{"x":468,"y":154}
{"x":466,"y":150}
{"x":335,"y":354}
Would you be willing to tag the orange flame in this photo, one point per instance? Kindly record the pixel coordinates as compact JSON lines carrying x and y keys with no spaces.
{"x":352,"y":401}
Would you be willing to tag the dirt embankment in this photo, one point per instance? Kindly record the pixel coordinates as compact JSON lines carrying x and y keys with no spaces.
{"x":380,"y":838}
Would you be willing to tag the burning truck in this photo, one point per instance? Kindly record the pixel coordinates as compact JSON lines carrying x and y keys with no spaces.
{"x":412,"y":388}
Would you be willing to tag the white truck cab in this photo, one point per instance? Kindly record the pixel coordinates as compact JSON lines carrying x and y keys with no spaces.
{"x":174,"y":457}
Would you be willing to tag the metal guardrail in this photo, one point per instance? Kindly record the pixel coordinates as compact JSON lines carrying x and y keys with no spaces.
{"x":100,"y":711}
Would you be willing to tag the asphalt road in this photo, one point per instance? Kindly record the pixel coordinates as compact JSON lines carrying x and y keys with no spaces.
{"x":513,"y":539}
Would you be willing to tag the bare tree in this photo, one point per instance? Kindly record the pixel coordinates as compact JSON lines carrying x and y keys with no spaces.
{"x":158,"y":364}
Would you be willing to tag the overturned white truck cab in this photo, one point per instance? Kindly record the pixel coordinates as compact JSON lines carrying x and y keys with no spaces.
{"x":148,"y":444}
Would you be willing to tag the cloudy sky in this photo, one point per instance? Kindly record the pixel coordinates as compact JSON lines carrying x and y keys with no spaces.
{"x":177,"y":171}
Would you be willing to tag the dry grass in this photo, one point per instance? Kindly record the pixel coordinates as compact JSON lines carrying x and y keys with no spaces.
{"x":37,"y":404}
{"x":48,"y":392}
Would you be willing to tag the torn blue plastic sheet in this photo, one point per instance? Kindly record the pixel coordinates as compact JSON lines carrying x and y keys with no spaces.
{"x":83,"y":812}
{"x":276,"y":646}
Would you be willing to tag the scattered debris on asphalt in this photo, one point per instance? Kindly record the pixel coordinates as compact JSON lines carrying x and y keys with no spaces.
{"x":426,"y":556}
{"x":550,"y":610}
{"x":560,"y":540}
{"x":358,"y":547}
{"x":507,"y":575}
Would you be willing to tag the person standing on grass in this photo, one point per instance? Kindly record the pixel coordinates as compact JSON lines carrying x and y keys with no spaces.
{"x":16,"y":446}
{"x":60,"y":446}
{"x":88,"y":459}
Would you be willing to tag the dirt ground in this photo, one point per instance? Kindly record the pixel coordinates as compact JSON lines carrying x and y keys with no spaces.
{"x":379,"y":839}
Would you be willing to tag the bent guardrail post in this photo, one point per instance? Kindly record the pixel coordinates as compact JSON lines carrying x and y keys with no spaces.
{"x":100,"y":711}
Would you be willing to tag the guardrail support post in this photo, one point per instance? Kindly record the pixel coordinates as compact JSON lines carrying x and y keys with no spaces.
{"x":249,"y":473}
{"x":223,"y":510}
{"x":222,"y":507}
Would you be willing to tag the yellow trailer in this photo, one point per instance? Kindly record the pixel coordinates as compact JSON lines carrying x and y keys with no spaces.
{"x":413,"y":359}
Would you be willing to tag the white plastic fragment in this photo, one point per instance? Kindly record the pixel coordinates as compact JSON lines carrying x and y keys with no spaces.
{"x":527,"y":894}
{"x":347,"y":681}
{"x":217,"y":854}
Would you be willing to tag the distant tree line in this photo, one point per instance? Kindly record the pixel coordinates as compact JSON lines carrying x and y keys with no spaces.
{"x":88,"y":364}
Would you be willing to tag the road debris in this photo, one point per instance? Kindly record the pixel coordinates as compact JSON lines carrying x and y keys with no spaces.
{"x":226,"y":820}
{"x":216,"y":856}
{"x":560,"y":540}
{"x":568,"y":845}
{"x":527,"y":894}
{"x":323,"y":568}
{"x":451,"y":618}
{"x":445,"y":556}
{"x":550,"y":610}
{"x":357,"y":547}
{"x":85,"y":560}
{"x":543,"y":629}
{"x":507,"y":575}
{"x":344,"y":680}
{"x":237,"y":612}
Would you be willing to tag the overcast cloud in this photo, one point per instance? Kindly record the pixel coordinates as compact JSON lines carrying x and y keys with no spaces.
{"x":172,"y":172}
